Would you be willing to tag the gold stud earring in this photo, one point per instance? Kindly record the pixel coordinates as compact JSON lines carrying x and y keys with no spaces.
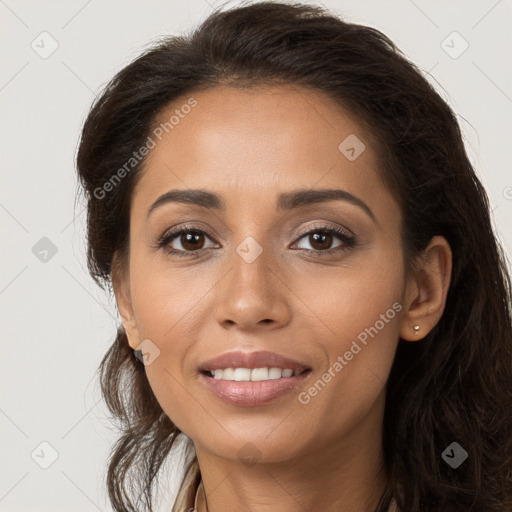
{"x":416,"y":329}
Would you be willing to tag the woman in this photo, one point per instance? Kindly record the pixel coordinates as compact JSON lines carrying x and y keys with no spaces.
{"x":312,"y":297}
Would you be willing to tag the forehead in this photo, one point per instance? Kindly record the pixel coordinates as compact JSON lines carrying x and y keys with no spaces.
{"x":251,"y":140}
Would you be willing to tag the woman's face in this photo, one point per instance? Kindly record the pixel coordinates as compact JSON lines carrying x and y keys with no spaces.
{"x":266,"y":275}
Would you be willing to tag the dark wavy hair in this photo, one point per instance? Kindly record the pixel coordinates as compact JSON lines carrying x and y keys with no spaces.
{"x":455,"y":384}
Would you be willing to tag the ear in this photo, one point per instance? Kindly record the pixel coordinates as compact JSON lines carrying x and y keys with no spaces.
{"x":427,"y":289}
{"x":121,"y":286}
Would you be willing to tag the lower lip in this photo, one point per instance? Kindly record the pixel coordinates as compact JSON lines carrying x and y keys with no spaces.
{"x":249,"y":393}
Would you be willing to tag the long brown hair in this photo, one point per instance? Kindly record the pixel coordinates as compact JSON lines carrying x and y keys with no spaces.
{"x":454,"y":385}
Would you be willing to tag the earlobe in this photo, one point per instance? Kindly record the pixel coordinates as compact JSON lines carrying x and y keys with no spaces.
{"x":427,"y":290}
{"x":124,"y":306}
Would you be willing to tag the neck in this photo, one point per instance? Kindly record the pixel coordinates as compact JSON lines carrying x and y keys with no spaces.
{"x":346,"y":475}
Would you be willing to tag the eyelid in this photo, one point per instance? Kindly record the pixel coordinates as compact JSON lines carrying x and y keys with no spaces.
{"x":345,"y":235}
{"x":189,"y":226}
{"x":327,"y":226}
{"x":174,"y":233}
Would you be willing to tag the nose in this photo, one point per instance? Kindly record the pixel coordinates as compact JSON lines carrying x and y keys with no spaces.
{"x":253,"y":294}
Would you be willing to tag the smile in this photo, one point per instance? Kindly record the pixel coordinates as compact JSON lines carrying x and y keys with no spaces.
{"x":233,"y":386}
{"x":248,"y":374}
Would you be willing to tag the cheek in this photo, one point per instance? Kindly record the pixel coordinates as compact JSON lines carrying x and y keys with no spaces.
{"x":169,"y":306}
{"x":346,"y":301}
{"x":168,"y":301}
{"x":358,"y":324}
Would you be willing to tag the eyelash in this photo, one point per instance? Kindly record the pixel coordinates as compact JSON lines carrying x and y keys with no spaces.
{"x":349,"y":241}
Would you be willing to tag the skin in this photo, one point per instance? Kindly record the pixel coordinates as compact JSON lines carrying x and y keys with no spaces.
{"x":249,"y":146}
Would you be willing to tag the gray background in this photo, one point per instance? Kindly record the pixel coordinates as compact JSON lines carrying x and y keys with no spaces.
{"x":56,"y":324}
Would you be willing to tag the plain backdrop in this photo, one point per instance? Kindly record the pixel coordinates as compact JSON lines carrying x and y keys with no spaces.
{"x":56,"y":323}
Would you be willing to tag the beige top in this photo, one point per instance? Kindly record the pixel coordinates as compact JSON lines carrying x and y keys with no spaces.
{"x":200,"y":502}
{"x":200,"y":499}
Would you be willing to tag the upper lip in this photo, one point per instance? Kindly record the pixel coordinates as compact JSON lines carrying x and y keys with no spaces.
{"x":251,"y":360}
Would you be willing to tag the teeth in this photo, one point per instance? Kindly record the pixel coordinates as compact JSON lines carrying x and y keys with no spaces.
{"x":246,"y":374}
{"x":242,"y":374}
{"x":259,"y":374}
{"x":274,"y":373}
{"x":230,"y":374}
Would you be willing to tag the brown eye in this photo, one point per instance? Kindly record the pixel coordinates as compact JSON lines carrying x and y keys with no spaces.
{"x":191,"y":240}
{"x":320,"y":241}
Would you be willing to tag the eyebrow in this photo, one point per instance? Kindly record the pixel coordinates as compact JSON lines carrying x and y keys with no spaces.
{"x":286,"y":201}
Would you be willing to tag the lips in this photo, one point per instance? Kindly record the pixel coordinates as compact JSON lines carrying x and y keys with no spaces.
{"x":251,"y":394}
{"x":242,"y":392}
{"x":252,"y":360}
